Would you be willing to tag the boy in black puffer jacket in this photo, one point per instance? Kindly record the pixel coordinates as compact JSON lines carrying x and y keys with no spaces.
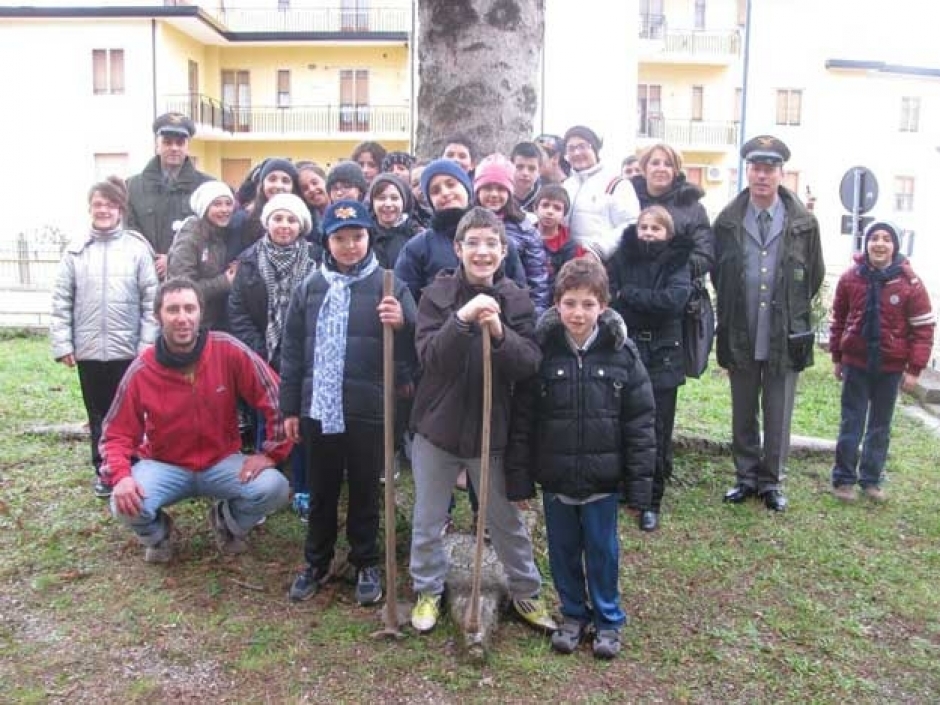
{"x":583,"y":428}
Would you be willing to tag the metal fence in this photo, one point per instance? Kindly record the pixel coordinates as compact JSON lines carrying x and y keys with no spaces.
{"x":31,"y":261}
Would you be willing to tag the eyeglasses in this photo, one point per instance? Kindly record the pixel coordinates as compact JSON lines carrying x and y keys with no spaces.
{"x":577,"y":147}
{"x":494,"y":245}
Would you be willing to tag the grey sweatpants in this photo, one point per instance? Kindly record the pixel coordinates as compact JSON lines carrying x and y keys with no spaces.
{"x":435,"y":476}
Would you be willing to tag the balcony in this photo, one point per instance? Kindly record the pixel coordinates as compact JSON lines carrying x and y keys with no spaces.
{"x":689,"y":135}
{"x":315,"y":20}
{"x":217,"y":120}
{"x":661,"y":44}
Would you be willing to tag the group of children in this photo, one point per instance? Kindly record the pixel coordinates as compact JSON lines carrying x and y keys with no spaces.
{"x":574,"y":409}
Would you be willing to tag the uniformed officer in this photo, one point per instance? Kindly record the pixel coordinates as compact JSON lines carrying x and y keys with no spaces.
{"x":158,"y":197}
{"x":769,"y":267}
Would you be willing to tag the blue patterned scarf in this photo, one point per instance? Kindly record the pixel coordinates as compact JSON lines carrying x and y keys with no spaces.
{"x":329,"y":355}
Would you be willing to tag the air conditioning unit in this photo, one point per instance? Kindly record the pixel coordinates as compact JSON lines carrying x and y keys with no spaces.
{"x":714,"y":173}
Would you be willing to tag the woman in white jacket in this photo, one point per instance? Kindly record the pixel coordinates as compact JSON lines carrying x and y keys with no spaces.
{"x":102,"y":306}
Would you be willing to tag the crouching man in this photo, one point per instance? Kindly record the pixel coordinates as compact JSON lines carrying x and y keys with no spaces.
{"x":175,"y":410}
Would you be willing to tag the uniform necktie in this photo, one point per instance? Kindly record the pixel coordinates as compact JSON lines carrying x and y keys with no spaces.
{"x":763,"y":226}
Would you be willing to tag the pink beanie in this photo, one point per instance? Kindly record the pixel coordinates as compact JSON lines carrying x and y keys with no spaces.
{"x":494,"y":169}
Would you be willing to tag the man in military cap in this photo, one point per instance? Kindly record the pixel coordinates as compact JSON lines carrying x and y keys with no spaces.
{"x":769,"y":268}
{"x":158,"y":197}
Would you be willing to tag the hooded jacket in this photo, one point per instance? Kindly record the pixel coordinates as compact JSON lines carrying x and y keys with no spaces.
{"x":102,"y":299}
{"x":797,"y":278}
{"x":448,"y":405}
{"x":157,"y":208}
{"x":907,"y":321}
{"x":650,"y":285}
{"x":432,"y":251}
{"x":585,"y":423}
{"x":200,"y":253}
{"x":683,"y":201}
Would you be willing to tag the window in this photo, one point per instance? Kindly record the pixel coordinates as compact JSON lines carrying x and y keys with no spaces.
{"x":354,"y":16}
{"x":789,"y":106}
{"x":693,"y":175}
{"x":738,"y":104}
{"x":283,"y":88}
{"x":698,"y":98}
{"x":742,"y":12}
{"x":652,"y":20}
{"x":107,"y":71}
{"x":236,"y":100}
{"x":699,"y":14}
{"x":354,"y":100}
{"x":910,"y":114}
{"x":791,"y":179}
{"x":732,"y":183}
{"x":907,"y":243}
{"x":283,"y":5}
{"x":650,"y":107}
{"x":904,"y":193}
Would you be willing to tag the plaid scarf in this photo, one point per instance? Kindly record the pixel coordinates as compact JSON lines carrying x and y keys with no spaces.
{"x":329,"y":353}
{"x":282,"y":269}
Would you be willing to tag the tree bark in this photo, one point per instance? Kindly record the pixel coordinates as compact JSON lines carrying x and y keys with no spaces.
{"x":478,"y":70}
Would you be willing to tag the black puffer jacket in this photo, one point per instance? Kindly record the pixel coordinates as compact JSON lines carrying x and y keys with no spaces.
{"x":248,"y":304}
{"x":650,"y":286}
{"x":388,"y":242}
{"x":689,"y":216}
{"x":362,"y":371}
{"x":584,"y":424}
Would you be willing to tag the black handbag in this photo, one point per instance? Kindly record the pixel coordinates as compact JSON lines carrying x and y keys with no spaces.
{"x":698,"y":330}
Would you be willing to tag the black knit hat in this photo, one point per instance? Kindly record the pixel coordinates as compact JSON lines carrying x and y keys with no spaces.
{"x":381,"y":181}
{"x":587,"y":134}
{"x":402,"y":158}
{"x":273,"y":164}
{"x":347,"y":172}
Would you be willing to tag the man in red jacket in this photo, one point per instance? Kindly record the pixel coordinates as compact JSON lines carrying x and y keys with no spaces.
{"x":176,"y":411}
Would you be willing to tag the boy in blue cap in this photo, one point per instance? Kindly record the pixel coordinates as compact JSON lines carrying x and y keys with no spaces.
{"x":331,"y":393}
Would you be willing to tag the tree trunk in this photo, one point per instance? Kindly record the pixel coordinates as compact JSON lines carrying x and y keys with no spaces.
{"x":478,"y":69}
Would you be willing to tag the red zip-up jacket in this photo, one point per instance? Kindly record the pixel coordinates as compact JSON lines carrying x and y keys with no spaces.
{"x":190,"y":420}
{"x":907,"y":322}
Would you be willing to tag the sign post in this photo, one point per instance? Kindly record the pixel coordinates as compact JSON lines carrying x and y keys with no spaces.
{"x":858,"y":192}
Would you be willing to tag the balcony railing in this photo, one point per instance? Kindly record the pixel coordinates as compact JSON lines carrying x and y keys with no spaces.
{"x":694,"y":134}
{"x":335,"y":20}
{"x":304,"y":120}
{"x":685,"y":42}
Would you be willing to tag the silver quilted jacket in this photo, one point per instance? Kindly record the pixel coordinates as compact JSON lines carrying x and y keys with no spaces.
{"x":102,"y":301}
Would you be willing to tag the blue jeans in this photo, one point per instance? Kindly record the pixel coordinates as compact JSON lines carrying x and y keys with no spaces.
{"x":243,"y":503}
{"x":584,"y":536}
{"x":872,"y":396}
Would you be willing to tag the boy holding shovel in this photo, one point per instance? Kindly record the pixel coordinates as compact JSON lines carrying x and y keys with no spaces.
{"x":447,"y":414}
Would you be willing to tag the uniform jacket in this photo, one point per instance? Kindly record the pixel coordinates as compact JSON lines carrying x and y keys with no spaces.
{"x":155,"y":208}
{"x":585,"y":423}
{"x":689,"y":216}
{"x":190,"y":419}
{"x":650,"y":286}
{"x":248,"y":304}
{"x":432,"y":251}
{"x":597,"y":218}
{"x":362,"y":371}
{"x":200,"y":253}
{"x":532,"y":255}
{"x":102,"y":300}
{"x":907,"y":321}
{"x":798,"y":276}
{"x":448,"y":405}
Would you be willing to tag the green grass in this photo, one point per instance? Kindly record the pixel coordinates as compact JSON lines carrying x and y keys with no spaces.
{"x":826,"y":603}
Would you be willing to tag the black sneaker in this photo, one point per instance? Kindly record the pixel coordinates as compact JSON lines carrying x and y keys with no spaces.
{"x":102,"y":489}
{"x":369,"y":586}
{"x":308,"y":583}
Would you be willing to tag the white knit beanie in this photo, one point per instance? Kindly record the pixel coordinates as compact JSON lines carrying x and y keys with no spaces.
{"x":203,"y":196}
{"x":291,"y":203}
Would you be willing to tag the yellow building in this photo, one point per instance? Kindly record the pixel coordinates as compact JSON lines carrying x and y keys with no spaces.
{"x":305,"y":79}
